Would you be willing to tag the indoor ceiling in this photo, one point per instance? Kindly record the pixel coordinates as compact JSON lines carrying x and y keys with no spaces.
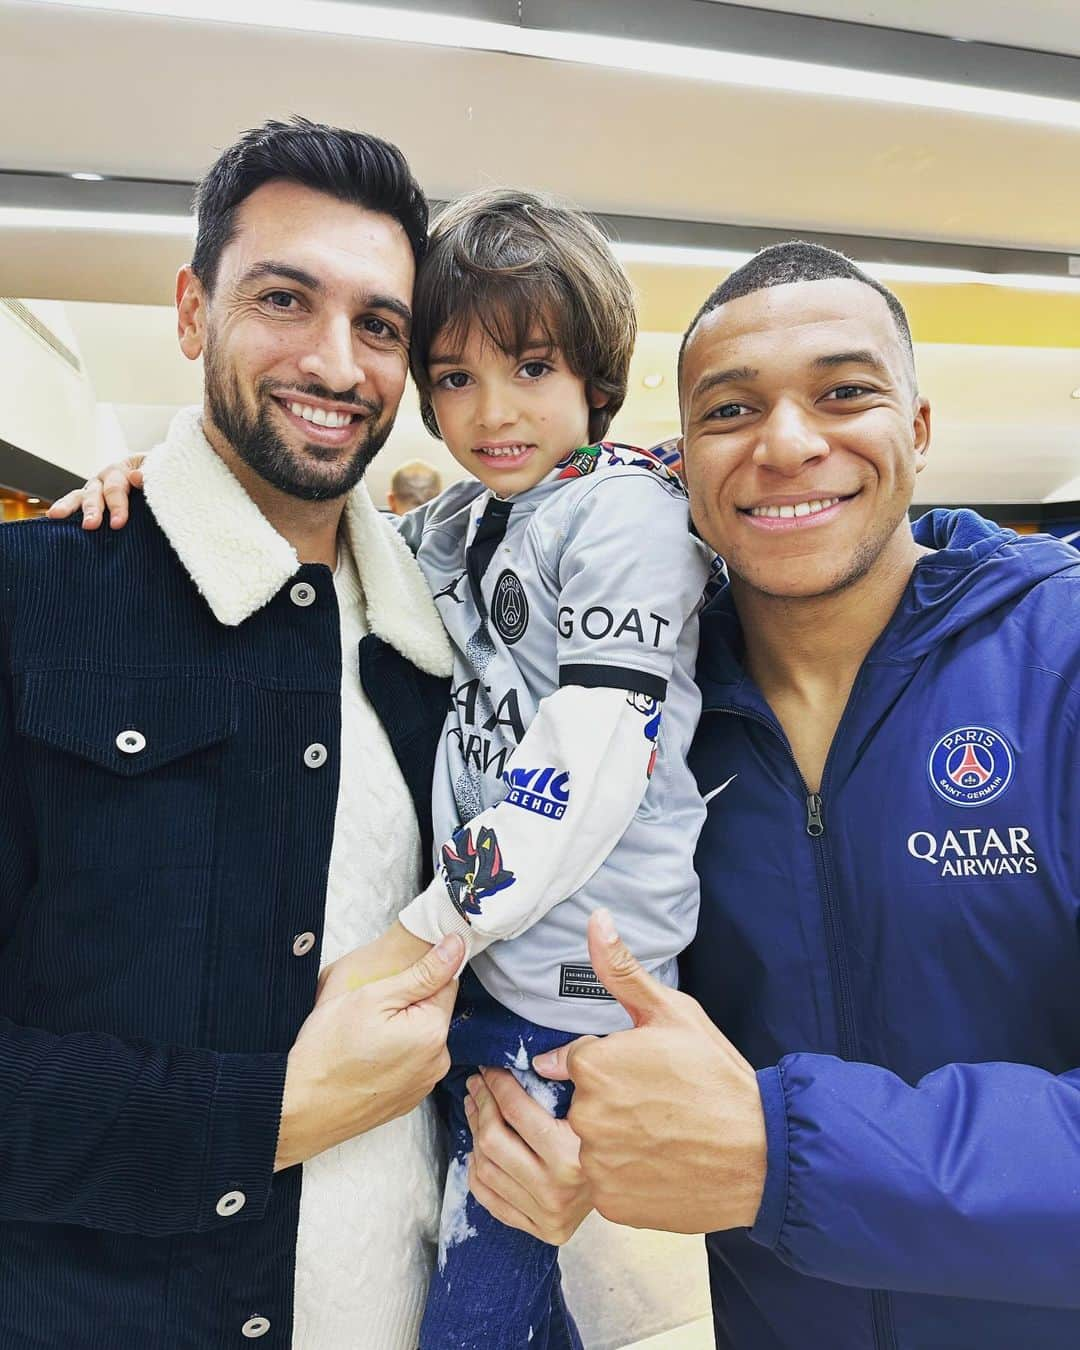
{"x":151,"y":97}
{"x":1045,"y":25}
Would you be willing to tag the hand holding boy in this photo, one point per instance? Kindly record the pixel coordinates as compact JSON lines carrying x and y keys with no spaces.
{"x":525,"y":1168}
{"x":368,"y":1056}
{"x":669,"y":1116}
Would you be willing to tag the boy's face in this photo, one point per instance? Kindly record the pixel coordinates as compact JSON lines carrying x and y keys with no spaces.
{"x":507,"y":420}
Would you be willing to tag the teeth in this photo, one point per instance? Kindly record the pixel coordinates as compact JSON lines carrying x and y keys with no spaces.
{"x":503,"y":451}
{"x":810,"y":508}
{"x":321,"y":417}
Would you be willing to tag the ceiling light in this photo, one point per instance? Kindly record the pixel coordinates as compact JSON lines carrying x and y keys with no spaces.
{"x":88,"y":177}
{"x":671,"y":255}
{"x":33,"y":501}
{"x":122,"y":222}
{"x":668,"y":255}
{"x":679,"y":255}
{"x":959,"y":276}
{"x":653,"y":380}
{"x":628,"y":54}
{"x":1075,"y":393}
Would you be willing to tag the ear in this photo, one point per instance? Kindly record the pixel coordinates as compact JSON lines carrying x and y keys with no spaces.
{"x":680,"y":468}
{"x":596,"y":398}
{"x":190,"y":313}
{"x":921,"y":432}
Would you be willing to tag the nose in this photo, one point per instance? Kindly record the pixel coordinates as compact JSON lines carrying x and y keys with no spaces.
{"x":789,"y":439}
{"x":494,"y":406}
{"x":333,"y":356}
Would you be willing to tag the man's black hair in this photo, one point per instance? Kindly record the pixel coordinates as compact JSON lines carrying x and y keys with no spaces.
{"x":349,"y":165}
{"x":785,"y":264}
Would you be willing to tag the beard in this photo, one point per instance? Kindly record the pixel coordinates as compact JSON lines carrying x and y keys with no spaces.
{"x":318,"y":474}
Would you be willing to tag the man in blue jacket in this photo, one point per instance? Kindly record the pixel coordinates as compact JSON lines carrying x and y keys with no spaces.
{"x":890,"y":876}
{"x":217,"y":734}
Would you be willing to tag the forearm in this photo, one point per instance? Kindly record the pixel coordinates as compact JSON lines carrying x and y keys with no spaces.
{"x":394,"y":951}
{"x":962,"y":1185}
{"x":574,"y":784}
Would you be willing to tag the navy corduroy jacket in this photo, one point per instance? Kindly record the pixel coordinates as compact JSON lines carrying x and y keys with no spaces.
{"x":149,"y":902}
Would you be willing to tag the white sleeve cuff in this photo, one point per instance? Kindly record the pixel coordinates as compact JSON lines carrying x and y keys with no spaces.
{"x":432,"y":915}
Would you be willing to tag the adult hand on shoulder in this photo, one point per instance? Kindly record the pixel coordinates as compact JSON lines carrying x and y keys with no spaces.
{"x":669,"y":1113}
{"x":110,"y":488}
{"x":524,"y":1168}
{"x":364,"y":1057}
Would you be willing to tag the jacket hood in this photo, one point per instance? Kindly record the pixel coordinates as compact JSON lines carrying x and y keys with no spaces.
{"x":976,"y":566}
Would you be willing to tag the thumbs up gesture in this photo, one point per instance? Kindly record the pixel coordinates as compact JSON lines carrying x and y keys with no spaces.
{"x":669,"y":1113}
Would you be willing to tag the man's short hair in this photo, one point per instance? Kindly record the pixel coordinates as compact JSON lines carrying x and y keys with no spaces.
{"x":349,"y":165}
{"x":415,"y":483}
{"x":785,"y":264}
{"x":511,"y":264}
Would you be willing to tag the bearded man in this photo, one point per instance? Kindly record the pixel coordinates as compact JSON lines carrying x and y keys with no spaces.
{"x":217,"y":730}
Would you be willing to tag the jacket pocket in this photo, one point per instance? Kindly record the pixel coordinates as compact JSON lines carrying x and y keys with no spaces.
{"x":124,"y":770}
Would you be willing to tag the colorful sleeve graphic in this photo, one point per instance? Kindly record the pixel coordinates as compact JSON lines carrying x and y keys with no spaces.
{"x":572,"y":787}
{"x":652,"y":710}
{"x":473,"y":871}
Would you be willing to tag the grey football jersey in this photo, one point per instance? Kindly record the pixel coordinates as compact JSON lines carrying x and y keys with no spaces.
{"x":572,"y":611}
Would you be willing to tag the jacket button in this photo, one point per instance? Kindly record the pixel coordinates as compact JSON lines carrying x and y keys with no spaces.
{"x":131,"y":742}
{"x":255,"y":1327}
{"x":302,"y":594}
{"x":315,"y":756}
{"x":232,"y":1202}
{"x":303,"y":943}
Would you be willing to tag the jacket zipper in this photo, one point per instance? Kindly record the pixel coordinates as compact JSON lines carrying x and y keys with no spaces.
{"x":880,"y":1311}
{"x":815,"y":828}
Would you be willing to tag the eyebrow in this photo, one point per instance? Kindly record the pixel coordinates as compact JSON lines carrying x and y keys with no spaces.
{"x":377,"y":300}
{"x":718,"y":378}
{"x":456,"y":359}
{"x":854,"y":358}
{"x":269,"y":268}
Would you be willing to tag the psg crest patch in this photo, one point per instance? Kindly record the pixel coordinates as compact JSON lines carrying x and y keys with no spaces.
{"x":971,"y":766}
{"x":509,"y":608}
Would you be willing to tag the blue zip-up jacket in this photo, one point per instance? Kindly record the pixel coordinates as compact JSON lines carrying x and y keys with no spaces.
{"x":899,"y":957}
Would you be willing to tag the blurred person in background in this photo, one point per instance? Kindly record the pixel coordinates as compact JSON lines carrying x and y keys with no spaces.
{"x":412,"y":485}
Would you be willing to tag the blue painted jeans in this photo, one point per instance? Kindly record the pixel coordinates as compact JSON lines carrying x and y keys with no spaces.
{"x":494,"y":1288}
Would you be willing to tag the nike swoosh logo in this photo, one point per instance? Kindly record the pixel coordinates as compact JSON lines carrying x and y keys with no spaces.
{"x":715,"y":792}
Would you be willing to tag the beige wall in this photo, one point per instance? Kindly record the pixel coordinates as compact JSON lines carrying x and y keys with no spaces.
{"x":47,"y":409}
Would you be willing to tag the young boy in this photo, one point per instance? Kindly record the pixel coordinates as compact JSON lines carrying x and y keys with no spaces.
{"x":569,"y":582}
{"x":568,"y":579}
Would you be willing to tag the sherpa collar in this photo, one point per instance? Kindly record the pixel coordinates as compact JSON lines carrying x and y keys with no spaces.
{"x":239,"y":562}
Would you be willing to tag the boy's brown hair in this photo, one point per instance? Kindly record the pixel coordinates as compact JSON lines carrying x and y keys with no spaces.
{"x":513,"y":264}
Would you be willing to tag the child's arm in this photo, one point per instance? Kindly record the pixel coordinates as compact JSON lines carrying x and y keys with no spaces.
{"x":630,"y":578}
{"x":396,"y":950}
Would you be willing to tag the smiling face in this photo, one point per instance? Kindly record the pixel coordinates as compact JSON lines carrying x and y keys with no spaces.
{"x":305,"y":337}
{"x":506,"y":418}
{"x":803,"y":434}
